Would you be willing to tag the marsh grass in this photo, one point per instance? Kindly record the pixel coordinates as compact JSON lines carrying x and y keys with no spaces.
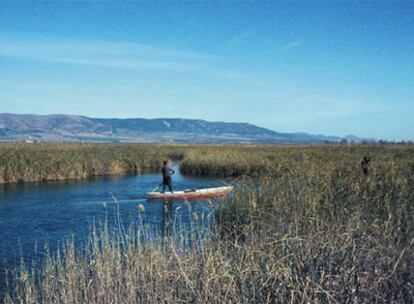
{"x":20,"y":162}
{"x":302,"y":226}
{"x":116,"y":265}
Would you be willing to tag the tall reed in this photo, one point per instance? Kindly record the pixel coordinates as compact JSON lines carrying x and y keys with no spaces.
{"x":21,"y":162}
{"x":303,"y":225}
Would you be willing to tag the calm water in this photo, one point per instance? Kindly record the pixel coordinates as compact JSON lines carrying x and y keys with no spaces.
{"x":35,"y":213}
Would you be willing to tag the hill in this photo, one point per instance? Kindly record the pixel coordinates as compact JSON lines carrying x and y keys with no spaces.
{"x":73,"y":128}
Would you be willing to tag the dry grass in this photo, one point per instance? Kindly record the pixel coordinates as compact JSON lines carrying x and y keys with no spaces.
{"x":40,"y":162}
{"x":303,"y":226}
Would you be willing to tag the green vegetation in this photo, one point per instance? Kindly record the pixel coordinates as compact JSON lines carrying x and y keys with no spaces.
{"x":303,"y":226}
{"x":278,"y":160}
{"x":40,"y":162}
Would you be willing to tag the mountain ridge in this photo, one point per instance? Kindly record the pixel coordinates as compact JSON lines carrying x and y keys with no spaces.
{"x":74,"y":128}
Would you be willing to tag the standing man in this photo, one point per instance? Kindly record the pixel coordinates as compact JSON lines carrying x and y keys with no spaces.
{"x":365,"y":164}
{"x":166,"y":176}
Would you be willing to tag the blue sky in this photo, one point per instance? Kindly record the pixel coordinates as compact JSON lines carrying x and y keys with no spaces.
{"x":334,"y":68}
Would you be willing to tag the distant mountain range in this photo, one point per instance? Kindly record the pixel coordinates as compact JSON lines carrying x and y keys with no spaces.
{"x":72,"y":128}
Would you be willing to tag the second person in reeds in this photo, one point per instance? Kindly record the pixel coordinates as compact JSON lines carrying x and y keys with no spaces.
{"x":365,"y":165}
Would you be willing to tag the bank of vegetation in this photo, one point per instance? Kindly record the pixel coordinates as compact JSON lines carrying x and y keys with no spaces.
{"x":20,"y":162}
{"x":304,"y":225}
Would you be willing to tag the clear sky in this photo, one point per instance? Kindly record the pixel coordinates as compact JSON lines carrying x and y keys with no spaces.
{"x":335,"y":68}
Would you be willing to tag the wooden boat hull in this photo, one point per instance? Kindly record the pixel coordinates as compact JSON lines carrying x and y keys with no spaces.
{"x":191,"y":195}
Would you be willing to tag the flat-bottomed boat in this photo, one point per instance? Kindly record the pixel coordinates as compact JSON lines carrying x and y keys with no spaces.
{"x":191,"y":194}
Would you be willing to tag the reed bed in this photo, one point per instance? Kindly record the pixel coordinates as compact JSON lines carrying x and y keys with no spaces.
{"x":303,"y":225}
{"x":21,"y":162}
{"x":276,"y":160}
